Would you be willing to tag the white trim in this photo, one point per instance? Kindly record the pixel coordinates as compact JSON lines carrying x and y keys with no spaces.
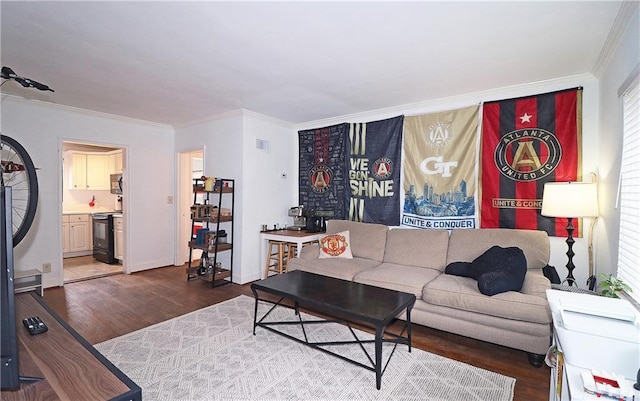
{"x":455,"y":102}
{"x":631,"y":79}
{"x":88,"y":112}
{"x":624,"y":16}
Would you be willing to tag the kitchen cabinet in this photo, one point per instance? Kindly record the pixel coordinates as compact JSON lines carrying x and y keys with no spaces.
{"x":118,"y":228}
{"x":65,"y":235}
{"x":206,"y":222}
{"x":91,"y":171}
{"x":118,"y":164}
{"x":76,"y":235}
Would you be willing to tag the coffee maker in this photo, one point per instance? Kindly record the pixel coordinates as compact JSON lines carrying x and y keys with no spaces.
{"x":316,"y":222}
{"x":299,"y":219}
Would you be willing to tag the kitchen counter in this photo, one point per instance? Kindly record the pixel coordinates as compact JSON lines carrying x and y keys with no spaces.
{"x":87,"y":211}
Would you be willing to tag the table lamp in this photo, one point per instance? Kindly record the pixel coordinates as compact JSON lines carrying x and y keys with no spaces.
{"x":570,"y":200}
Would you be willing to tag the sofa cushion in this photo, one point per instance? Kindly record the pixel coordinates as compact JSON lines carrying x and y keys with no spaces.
{"x":467,"y":245}
{"x":335,"y":246}
{"x":462,"y":293}
{"x":496,"y":270}
{"x":335,"y":267}
{"x":398,"y":277}
{"x":367,"y":240}
{"x":414,"y":247}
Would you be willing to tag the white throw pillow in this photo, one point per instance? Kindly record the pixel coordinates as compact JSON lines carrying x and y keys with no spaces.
{"x":336,"y":246}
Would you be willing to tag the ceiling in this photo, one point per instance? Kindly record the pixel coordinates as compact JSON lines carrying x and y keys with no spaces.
{"x":180,"y":62}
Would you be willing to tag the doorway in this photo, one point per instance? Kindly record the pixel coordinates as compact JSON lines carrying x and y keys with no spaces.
{"x":87,"y":170}
{"x":190,"y":166}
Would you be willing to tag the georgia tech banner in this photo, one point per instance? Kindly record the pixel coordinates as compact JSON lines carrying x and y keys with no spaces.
{"x":322,"y":167}
{"x":527,"y":142}
{"x":375,"y":149}
{"x":439,"y":169}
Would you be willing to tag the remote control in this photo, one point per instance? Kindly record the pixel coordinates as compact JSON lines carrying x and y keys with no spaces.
{"x":35,"y":325}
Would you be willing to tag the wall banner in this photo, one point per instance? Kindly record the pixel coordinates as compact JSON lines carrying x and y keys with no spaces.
{"x":322,"y":166}
{"x":527,"y":142}
{"x":375,"y":149}
{"x":439,"y":169}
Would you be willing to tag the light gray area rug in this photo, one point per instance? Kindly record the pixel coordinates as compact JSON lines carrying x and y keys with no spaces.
{"x":211,"y":354}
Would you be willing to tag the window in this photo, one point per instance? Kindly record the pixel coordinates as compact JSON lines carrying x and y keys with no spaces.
{"x":629,"y":243}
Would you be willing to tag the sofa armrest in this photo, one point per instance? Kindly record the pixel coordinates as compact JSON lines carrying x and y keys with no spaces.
{"x":311,"y":251}
{"x":535,"y":283}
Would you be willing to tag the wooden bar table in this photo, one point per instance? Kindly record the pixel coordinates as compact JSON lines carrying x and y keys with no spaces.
{"x":296,"y":237}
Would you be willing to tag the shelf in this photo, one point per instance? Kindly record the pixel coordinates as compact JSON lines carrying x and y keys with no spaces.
{"x":28,"y":280}
{"x":214,"y":219}
{"x":221,"y":274}
{"x":210,"y":216}
{"x":200,"y":189}
{"x":221,"y":247}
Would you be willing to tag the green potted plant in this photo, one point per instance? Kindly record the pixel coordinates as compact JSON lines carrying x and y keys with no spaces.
{"x":611,"y":286}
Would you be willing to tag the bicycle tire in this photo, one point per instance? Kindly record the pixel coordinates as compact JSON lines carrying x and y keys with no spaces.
{"x":28,"y":214}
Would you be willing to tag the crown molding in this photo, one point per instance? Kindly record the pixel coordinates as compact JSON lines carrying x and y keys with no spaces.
{"x":234,"y":114}
{"x":620,"y":24}
{"x":454,"y":102}
{"x":78,"y":110}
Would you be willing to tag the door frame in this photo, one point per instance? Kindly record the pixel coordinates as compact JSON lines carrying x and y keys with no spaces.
{"x":125,"y":203}
{"x":184,"y":200}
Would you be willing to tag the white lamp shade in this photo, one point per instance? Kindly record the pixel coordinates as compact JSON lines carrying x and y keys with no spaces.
{"x":570,"y":199}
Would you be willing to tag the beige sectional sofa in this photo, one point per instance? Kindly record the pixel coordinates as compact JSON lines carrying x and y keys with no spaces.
{"x":414,"y":261}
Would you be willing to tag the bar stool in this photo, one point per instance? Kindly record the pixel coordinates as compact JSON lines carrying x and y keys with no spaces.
{"x":293,"y":248}
{"x":277,"y":255}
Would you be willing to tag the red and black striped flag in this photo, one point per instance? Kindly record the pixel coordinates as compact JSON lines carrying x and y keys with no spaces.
{"x":527,"y":142}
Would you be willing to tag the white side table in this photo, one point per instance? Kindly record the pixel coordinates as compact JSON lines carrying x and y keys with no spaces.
{"x":28,"y":280}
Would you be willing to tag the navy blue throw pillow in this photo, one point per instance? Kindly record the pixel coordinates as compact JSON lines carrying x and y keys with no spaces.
{"x":462,"y":269}
{"x":497,"y":270}
{"x":500,"y":270}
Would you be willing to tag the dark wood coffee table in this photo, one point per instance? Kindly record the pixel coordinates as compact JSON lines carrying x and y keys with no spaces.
{"x":343,"y":301}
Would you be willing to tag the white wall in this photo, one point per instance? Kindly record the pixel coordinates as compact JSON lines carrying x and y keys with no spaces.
{"x":623,"y":61}
{"x":261,"y":196}
{"x":590,"y":140}
{"x":221,"y":139}
{"x":41,"y":128}
{"x":268,"y":196}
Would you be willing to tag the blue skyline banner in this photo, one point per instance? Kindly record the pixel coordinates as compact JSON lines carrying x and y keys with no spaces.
{"x":375,"y":149}
{"x":440,"y":169}
{"x":322,"y":182}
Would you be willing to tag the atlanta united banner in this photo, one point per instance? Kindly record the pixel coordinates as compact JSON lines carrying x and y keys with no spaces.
{"x":439,"y":169}
{"x":527,"y":142}
{"x":322,"y":167}
{"x":375,"y":149}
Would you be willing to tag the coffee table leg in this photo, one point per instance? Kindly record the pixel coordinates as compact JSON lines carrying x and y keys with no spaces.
{"x":409,"y":326}
{"x":255,"y":311}
{"x":379,"y":333}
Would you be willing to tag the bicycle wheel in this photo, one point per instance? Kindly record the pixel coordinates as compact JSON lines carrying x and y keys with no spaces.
{"x":19,"y":173}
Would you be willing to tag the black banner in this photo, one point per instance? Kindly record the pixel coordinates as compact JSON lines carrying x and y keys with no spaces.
{"x":374,"y":171}
{"x":323,"y":163}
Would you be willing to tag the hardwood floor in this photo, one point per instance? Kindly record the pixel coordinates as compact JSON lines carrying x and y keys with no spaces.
{"x":111,"y":306}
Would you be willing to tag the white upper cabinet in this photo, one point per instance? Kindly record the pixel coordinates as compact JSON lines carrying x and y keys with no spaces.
{"x":91,"y":170}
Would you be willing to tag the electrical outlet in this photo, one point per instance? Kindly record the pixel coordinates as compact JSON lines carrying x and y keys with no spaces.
{"x":46,"y":267}
{"x":170,"y":200}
